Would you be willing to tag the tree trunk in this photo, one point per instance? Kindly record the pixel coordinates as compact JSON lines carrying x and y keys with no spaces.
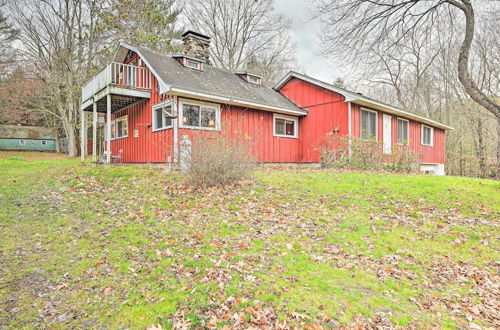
{"x":463,"y":61}
{"x":481,"y":149}
{"x":58,"y":145}
{"x":69,"y":130}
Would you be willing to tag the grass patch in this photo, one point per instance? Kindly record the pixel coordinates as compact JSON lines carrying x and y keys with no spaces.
{"x":129,"y":246}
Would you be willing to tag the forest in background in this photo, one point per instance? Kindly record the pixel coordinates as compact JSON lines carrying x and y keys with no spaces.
{"x":51,"y":47}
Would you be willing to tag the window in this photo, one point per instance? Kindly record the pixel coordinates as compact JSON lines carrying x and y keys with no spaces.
{"x":122,"y":127}
{"x":285,"y":126}
{"x":427,"y":135}
{"x":254,"y":79}
{"x":119,"y":128}
{"x":162,"y":115}
{"x":43,"y":143}
{"x":22,"y":142}
{"x":368,"y":124}
{"x":403,"y":131}
{"x":200,"y":116}
{"x":193,"y":64}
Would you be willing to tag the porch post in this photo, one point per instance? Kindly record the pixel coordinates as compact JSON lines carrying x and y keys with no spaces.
{"x":176,"y":129}
{"x":85,"y":133}
{"x":82,"y":134}
{"x":108,"y":130}
{"x":94,"y":132}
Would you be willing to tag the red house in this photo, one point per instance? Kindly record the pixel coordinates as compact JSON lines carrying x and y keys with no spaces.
{"x":150,"y":100}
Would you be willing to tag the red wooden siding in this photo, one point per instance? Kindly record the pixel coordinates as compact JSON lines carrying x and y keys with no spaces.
{"x":434,"y":154}
{"x":331,"y":115}
{"x":254,"y":126}
{"x":328,"y":114}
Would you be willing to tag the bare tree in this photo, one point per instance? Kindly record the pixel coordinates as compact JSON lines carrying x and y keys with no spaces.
{"x":7,"y":35}
{"x":61,"y":40}
{"x":364,"y":29}
{"x":245,"y":33}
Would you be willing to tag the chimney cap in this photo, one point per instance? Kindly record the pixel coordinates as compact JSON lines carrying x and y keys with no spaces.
{"x":195,"y":34}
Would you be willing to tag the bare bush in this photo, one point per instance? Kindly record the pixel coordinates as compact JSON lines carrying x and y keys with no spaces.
{"x":358,"y":154}
{"x":219,"y":161}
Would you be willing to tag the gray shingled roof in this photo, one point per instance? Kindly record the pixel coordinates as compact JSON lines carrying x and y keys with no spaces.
{"x":214,"y":81}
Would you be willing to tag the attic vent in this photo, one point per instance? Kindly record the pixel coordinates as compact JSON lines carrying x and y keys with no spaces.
{"x":250,"y":77}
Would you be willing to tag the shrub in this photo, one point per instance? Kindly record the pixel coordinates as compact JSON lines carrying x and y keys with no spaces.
{"x":365,"y":155}
{"x":219,"y":161}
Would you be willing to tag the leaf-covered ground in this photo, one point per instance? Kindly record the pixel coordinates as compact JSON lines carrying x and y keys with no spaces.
{"x":129,"y":246}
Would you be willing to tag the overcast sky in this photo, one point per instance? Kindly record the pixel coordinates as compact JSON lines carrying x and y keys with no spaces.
{"x":305,"y":34}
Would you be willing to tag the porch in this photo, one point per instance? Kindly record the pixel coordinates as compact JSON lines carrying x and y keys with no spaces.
{"x":112,"y":89}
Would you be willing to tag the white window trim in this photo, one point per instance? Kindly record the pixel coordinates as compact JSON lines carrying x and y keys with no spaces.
{"x":198,"y":64}
{"x":257,"y":79}
{"x":43,"y":142}
{"x":153,"y":117}
{"x":422,"y":136}
{"x":122,"y":118}
{"x":296,"y":126}
{"x":214,"y":106}
{"x":360,"y":123}
{"x":22,"y":142}
{"x":407,"y":131}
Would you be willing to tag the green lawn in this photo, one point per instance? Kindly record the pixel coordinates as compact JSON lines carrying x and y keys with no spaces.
{"x":130,"y":246}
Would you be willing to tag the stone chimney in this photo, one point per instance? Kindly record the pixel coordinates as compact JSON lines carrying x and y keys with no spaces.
{"x":196,"y":45}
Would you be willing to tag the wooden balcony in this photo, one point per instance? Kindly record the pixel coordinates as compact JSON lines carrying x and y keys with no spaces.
{"x":127,"y":84}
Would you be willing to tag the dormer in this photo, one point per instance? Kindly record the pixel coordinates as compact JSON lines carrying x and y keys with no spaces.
{"x":190,"y":61}
{"x":250,"y":77}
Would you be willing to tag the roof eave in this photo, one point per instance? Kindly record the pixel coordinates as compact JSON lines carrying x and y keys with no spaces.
{"x":398,"y":112}
{"x":359,"y":99}
{"x":232,"y":101}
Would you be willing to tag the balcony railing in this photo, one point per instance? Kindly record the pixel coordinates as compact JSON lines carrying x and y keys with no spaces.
{"x":120,"y":75}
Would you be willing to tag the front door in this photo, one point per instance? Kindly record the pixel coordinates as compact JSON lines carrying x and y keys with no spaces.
{"x":387,"y":132}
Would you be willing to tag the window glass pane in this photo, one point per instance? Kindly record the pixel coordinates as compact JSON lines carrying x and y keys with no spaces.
{"x":373,"y":124}
{"x":167,"y":122}
{"x":279,"y":126}
{"x":158,"y":118}
{"x":406,"y":138}
{"x":120,"y":128}
{"x":364,"y":125}
{"x":368,"y":124}
{"x":402,"y":131}
{"x":125,"y":127}
{"x":427,"y":135}
{"x":193,"y":64}
{"x":207,"y":117}
{"x":290,"y":128}
{"x":191,"y":115}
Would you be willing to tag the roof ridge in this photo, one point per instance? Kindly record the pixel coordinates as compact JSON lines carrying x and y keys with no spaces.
{"x":172,"y":55}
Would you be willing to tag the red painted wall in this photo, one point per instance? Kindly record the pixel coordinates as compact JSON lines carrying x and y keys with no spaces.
{"x":327,"y":114}
{"x":254,"y":126}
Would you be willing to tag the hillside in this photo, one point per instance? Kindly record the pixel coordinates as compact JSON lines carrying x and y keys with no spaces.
{"x":85,"y":246}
